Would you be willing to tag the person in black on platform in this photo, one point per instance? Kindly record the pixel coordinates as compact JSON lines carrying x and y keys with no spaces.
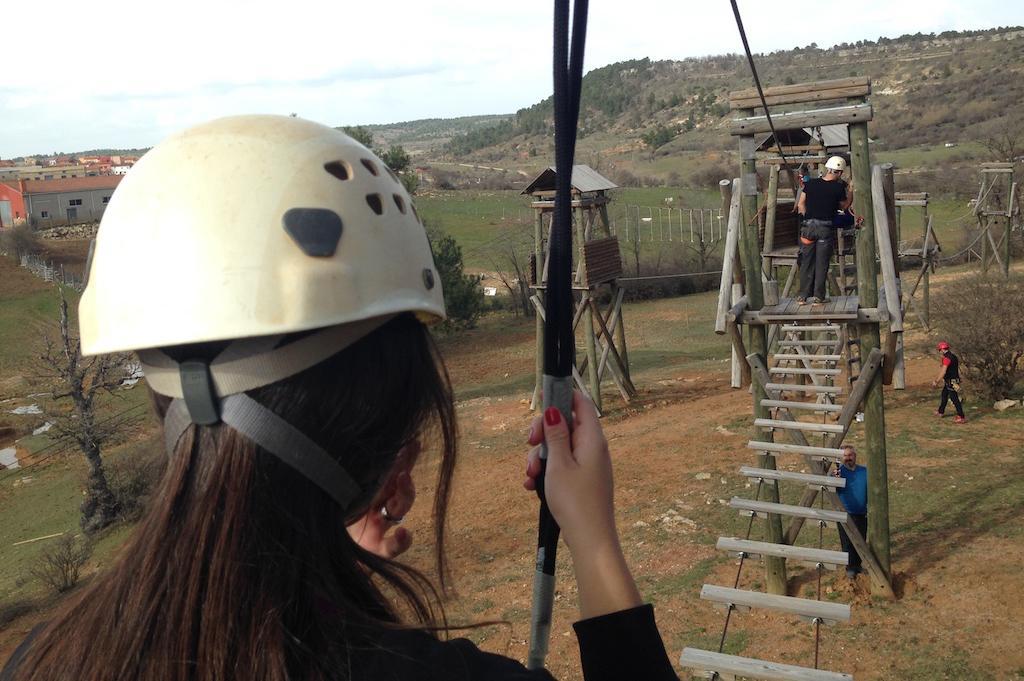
{"x":821,"y":199}
{"x":949,"y":376}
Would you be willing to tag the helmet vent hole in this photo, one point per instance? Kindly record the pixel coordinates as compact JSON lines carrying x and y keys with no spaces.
{"x":371,"y":166}
{"x":375,"y":203}
{"x":339,"y":169}
{"x":400,"y":203}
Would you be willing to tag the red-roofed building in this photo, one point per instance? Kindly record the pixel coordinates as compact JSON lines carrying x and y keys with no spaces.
{"x":45,"y":203}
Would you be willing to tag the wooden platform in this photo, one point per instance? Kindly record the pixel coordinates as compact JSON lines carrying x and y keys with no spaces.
{"x":788,"y":310}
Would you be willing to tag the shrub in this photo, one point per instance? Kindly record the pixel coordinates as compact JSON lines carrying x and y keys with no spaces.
{"x":983,"y":318}
{"x":61,"y":565}
{"x":132,"y":477}
{"x":19,"y":240}
{"x":463,"y":297}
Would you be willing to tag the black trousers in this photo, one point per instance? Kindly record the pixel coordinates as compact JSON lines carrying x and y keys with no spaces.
{"x":816,"y":257}
{"x":860,"y":521}
{"x":948,"y":394}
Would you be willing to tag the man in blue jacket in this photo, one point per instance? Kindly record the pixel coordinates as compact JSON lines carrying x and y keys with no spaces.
{"x":855,"y":499}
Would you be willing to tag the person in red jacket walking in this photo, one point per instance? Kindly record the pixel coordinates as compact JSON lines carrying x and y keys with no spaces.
{"x":949,"y":376}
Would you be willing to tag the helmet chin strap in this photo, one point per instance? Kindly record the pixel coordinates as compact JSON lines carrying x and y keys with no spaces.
{"x":211,"y":393}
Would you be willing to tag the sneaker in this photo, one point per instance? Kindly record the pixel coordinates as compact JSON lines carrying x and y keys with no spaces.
{"x":800,"y":300}
{"x":813,"y":300}
{"x":939,"y":414}
{"x":959,"y":419}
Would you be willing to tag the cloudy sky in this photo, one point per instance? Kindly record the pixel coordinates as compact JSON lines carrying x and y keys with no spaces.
{"x":123,"y":73}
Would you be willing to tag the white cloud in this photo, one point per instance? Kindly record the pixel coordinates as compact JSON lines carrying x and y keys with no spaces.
{"x":125,"y":73}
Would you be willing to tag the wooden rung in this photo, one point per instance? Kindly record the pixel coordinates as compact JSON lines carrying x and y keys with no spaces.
{"x":809,"y":358}
{"x":796,"y":387}
{"x":802,"y":371}
{"x":787,"y":328}
{"x":803,"y":554}
{"x":772,"y":474}
{"x":806,"y":343}
{"x":825,"y":611}
{"x":830,"y":453}
{"x":729,"y":667}
{"x":812,"y":406}
{"x":800,"y":425}
{"x":764,"y":507}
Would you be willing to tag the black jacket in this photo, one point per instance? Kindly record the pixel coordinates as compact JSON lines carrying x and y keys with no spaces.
{"x":620,"y":646}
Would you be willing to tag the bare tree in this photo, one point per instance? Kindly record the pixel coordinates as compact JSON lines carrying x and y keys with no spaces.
{"x":511,"y":263}
{"x":1006,"y":143}
{"x":71,"y":377}
{"x":703,"y":248}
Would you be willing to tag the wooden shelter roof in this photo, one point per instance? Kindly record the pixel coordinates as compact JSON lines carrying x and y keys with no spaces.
{"x":584,"y":180}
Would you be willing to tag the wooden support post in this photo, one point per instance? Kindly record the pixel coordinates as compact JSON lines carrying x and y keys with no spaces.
{"x":731,"y":246}
{"x":769,"y":215}
{"x":886,"y":256}
{"x":889,"y":189}
{"x":739,"y":377}
{"x":538,"y":255}
{"x":589,"y":341}
{"x":874,"y":402}
{"x":1006,"y":243}
{"x":750,"y":252}
{"x":620,"y":325}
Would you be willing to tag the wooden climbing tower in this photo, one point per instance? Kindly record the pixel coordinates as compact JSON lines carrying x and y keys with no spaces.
{"x":815,"y":372}
{"x":599,"y":296}
{"x":998,"y":211}
{"x":929,"y":253}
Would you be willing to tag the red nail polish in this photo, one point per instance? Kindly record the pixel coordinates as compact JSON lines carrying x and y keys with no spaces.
{"x":552,"y":416}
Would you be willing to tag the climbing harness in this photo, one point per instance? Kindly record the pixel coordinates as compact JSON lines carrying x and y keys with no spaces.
{"x":559,"y":341}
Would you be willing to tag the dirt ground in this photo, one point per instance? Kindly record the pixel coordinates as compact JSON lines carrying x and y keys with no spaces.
{"x":960,"y":585}
{"x":956,"y":504}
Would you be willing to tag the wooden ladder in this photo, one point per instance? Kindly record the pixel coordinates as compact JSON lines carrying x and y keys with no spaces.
{"x":817,"y":359}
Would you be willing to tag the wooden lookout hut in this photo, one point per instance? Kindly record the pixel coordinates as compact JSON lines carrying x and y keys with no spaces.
{"x":598,"y":267}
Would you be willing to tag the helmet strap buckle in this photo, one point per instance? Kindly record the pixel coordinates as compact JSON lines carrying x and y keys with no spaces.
{"x":198,"y":391}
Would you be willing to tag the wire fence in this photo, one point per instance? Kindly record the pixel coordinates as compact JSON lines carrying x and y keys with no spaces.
{"x":666,"y":224}
{"x":47,"y":271}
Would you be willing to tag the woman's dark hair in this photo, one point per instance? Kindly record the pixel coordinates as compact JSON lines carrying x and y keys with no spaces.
{"x":242,"y":568}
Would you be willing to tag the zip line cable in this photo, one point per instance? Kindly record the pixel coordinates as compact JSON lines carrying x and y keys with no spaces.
{"x":559,"y":339}
{"x":757,"y":82}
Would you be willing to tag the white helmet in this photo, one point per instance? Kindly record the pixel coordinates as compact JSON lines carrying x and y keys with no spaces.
{"x":836,"y":163}
{"x":250,"y":226}
{"x":249,"y":229}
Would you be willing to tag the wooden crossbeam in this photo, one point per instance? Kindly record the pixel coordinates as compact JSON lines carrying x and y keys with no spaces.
{"x":796,"y":387}
{"x":797,"y":371}
{"x":753,"y":125}
{"x":751,"y":549}
{"x":801,"y":93}
{"x":768,"y":507}
{"x":821,"y":611}
{"x":829,"y":481}
{"x":777,"y":424}
{"x":730,"y":667}
{"x":822,"y":407}
{"x":831,"y":453}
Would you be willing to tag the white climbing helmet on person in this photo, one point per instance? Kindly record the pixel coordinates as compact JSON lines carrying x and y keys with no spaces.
{"x":250,"y":229}
{"x":250,"y":226}
{"x":836,"y":163}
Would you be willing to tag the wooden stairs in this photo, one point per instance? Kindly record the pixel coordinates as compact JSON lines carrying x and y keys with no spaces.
{"x":809,"y":353}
